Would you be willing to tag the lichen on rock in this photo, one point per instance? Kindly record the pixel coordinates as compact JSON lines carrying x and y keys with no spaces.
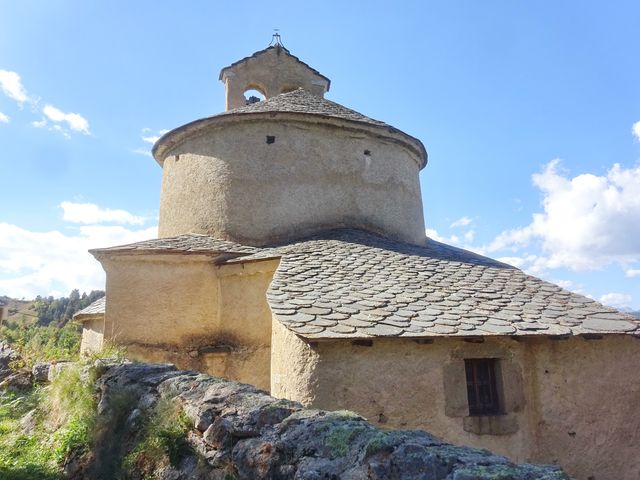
{"x":227,"y":430}
{"x":115,"y":419}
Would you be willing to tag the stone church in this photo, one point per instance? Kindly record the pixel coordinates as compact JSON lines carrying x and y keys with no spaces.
{"x":292,"y":255}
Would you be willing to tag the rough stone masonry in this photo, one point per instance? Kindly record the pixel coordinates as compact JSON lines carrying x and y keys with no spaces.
{"x":240,"y":432}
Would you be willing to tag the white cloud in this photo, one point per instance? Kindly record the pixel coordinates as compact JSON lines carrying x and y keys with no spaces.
{"x":515,"y":261}
{"x":54,"y":263}
{"x":566,"y":284}
{"x":632,"y":273}
{"x":587,"y":222}
{"x":616,"y":300}
{"x":469,"y":236}
{"x":463,"y":242}
{"x":89,"y":213}
{"x":152,"y":137}
{"x":11,"y":86}
{"x":434,"y":235}
{"x":532,"y":264}
{"x":461,"y":222}
{"x":74,"y":121}
{"x":635,"y":129}
{"x":571,"y":286}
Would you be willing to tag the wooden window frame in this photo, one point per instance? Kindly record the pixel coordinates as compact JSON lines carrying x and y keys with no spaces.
{"x":483,"y":386}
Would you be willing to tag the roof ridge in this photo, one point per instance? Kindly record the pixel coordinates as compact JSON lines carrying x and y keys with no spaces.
{"x":277,"y":46}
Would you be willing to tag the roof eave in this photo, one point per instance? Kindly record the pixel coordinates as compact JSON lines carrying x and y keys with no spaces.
{"x":99,"y":253}
{"x":85,"y":317}
{"x":592,"y":335}
{"x":174,"y":137}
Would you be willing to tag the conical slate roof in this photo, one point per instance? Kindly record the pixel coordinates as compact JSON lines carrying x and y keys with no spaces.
{"x":301,"y":101}
{"x":297,"y":102}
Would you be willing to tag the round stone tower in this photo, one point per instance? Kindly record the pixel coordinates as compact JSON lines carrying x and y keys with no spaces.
{"x":288,"y":166}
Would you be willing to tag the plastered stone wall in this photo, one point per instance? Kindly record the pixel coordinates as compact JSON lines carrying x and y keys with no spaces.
{"x":163,"y":300}
{"x":294,"y":365}
{"x":229,"y":182}
{"x":186,"y":310}
{"x":92,"y":335}
{"x":567,"y":401}
{"x":586,"y":410}
{"x":272,"y":72}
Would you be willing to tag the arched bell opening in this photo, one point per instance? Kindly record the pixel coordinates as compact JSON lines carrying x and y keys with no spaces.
{"x":253,"y":94}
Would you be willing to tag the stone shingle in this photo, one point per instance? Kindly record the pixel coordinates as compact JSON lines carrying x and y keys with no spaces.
{"x":188,"y":243}
{"x":96,"y":308}
{"x":435,"y":290}
{"x":301,"y":101}
{"x":352,"y":284}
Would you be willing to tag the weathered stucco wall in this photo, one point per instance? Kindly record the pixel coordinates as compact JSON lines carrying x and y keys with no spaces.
{"x":272,"y":73}
{"x":586,"y":411}
{"x":395,"y":383}
{"x":293,"y":366}
{"x":187,"y":310}
{"x":230,"y":183}
{"x":92,"y":335}
{"x":580,"y":413}
{"x":163,"y":300}
{"x":245,"y":363}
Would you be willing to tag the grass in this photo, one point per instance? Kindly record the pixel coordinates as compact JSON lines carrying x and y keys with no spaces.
{"x":378,"y":442}
{"x":61,"y":412}
{"x":22,"y":455}
{"x":341,"y":438}
{"x":163,"y":440}
{"x":71,"y":411}
{"x":43,"y":343}
{"x":65,"y":420}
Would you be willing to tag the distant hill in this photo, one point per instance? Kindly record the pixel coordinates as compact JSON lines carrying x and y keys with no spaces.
{"x":21,"y":311}
{"x":635,"y":313}
{"x":48,"y":310}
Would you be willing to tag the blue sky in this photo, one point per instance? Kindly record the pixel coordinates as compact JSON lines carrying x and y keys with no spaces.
{"x":527,"y":110}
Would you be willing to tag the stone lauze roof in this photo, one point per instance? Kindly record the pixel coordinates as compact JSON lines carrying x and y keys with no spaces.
{"x":301,"y":101}
{"x":96,"y":308}
{"x":190,"y":243}
{"x":352,"y":284}
{"x":297,"y":102}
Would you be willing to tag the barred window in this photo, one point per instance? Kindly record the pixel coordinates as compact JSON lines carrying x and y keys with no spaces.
{"x":482,"y":391}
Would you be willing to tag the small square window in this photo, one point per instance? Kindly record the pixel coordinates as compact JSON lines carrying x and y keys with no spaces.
{"x":482,"y":386}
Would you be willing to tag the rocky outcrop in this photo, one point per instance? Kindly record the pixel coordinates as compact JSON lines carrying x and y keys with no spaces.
{"x":7,"y":356}
{"x":235,"y":431}
{"x":40,"y":372}
{"x":12,"y":378}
